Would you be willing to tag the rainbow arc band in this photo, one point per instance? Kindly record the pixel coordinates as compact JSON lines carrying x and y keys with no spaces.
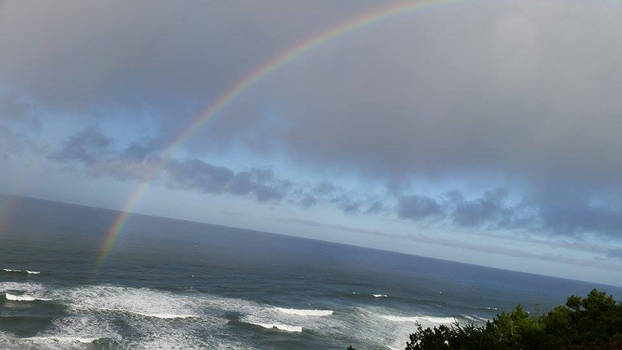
{"x":250,"y":80}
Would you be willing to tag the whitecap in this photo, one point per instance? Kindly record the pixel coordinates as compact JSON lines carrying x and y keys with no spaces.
{"x":30,"y":272}
{"x":11,"y":270}
{"x":139,"y":301}
{"x":23,"y":297}
{"x":380,"y":295}
{"x":62,"y":339}
{"x":302,"y":312}
{"x":278,"y":326}
{"x":475,"y":318}
{"x":21,"y":286}
{"x":163,"y":316}
{"x":419,"y":319}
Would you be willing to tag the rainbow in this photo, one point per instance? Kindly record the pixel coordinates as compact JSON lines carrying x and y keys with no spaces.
{"x":250,"y":80}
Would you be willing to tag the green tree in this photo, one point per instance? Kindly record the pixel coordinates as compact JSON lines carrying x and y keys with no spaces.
{"x":593,"y":322}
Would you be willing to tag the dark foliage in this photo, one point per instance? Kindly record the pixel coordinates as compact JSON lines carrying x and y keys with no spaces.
{"x":594,"y":322}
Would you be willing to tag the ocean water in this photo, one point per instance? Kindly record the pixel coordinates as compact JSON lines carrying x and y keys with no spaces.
{"x":177,"y":284}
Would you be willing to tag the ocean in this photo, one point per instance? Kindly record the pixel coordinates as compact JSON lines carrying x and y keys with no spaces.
{"x":177,"y":284}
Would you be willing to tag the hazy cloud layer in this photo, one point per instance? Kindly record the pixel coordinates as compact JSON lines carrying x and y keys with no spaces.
{"x":478,"y":246}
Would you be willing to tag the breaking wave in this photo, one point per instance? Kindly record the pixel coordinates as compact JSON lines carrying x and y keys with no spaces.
{"x":420,"y":319}
{"x":279,"y":326}
{"x":475,"y":319}
{"x":27,"y":272}
{"x":23,"y":297}
{"x":61,"y":339}
{"x":302,"y":312}
{"x":190,"y":319}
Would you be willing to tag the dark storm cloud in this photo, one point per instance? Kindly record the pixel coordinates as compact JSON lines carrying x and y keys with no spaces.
{"x":208,"y":178}
{"x":136,"y":151}
{"x":418,"y":207}
{"x":92,"y":149}
{"x":324,"y":188}
{"x":527,"y":92}
{"x":308,"y":201}
{"x":572,"y":214}
{"x":490,"y":207}
{"x":347,"y":203}
{"x":490,"y":210}
{"x":375,"y":208}
{"x":88,"y":146}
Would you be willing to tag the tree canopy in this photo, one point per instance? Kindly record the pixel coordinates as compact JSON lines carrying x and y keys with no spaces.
{"x":593,"y":322}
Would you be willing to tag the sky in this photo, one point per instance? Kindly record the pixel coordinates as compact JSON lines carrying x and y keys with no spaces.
{"x":478,"y":131}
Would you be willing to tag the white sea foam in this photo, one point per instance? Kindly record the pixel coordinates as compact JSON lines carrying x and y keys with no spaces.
{"x":29,"y":287}
{"x":419,"y":319}
{"x":62,"y":339}
{"x":380,"y":295}
{"x":13,"y":297}
{"x":475,"y":318}
{"x":23,"y":297}
{"x":30,"y":272}
{"x":279,"y":326}
{"x":51,"y":342}
{"x":139,"y":301}
{"x":163,"y":316}
{"x":302,"y":312}
{"x":152,"y":314}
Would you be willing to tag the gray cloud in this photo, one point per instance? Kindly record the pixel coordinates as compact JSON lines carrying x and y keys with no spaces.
{"x":375,"y":208}
{"x":18,"y":112}
{"x":490,"y":207}
{"x":10,"y":143}
{"x":418,"y":207}
{"x":13,"y":109}
{"x":324,"y":188}
{"x":93,"y":150}
{"x":87,"y":146}
{"x":215,"y":179}
{"x":491,"y":210}
{"x":347,"y":203}
{"x":575,"y":213}
{"x":308,"y":202}
{"x":509,"y":92}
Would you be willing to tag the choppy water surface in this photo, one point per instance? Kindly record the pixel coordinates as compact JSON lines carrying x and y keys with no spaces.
{"x":176,"y":284}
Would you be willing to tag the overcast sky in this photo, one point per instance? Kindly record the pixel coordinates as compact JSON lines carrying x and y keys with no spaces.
{"x":479,"y":131}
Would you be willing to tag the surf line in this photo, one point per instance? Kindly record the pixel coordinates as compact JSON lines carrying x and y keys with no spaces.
{"x":255,"y":76}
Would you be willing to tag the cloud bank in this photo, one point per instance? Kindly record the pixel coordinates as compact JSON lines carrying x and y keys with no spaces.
{"x":508,"y":111}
